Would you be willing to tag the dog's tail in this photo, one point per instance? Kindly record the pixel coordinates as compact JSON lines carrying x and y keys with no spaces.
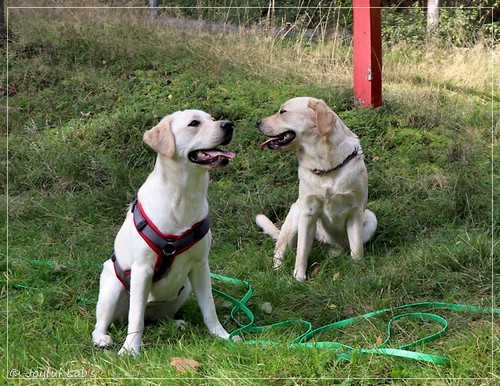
{"x":267,"y":226}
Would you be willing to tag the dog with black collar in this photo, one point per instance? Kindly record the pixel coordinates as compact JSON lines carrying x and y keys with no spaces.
{"x":333,"y":182}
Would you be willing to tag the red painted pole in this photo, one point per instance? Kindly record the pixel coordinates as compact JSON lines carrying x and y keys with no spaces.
{"x":367,"y":52}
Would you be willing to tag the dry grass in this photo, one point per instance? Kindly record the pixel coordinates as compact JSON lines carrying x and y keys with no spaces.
{"x":311,"y":51}
{"x":471,"y":69}
{"x":328,"y":60}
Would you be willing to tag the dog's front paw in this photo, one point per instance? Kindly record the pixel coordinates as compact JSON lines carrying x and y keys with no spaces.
{"x":129,"y":351}
{"x":277,"y":262}
{"x":357,"y":255}
{"x":101,"y":340}
{"x":300,"y":276}
{"x":220,"y":332}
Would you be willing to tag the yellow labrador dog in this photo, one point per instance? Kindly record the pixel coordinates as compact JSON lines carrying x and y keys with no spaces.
{"x":161,"y":250}
{"x":333,"y":182}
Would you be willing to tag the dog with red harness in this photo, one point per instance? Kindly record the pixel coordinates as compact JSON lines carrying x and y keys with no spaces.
{"x":161,"y":250}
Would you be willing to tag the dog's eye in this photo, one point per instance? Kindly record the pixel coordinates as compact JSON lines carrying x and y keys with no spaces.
{"x":282,"y":111}
{"x":194,"y":123}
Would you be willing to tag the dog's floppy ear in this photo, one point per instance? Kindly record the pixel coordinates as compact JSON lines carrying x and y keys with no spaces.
{"x":161,"y":139}
{"x":325,"y":117}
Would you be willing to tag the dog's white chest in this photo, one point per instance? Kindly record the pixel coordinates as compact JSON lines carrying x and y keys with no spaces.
{"x":339,"y":205}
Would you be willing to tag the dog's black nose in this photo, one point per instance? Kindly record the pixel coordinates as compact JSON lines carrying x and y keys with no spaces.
{"x":228,"y":128}
{"x":227,"y":125}
{"x":259,"y":122}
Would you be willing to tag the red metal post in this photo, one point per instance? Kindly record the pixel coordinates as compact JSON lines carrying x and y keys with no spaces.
{"x":367,"y":52}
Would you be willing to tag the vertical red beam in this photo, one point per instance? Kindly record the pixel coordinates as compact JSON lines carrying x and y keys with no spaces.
{"x":367,"y":52}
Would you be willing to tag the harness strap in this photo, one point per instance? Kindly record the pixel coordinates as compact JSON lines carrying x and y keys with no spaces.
{"x":166,"y":246}
{"x":123,"y":276}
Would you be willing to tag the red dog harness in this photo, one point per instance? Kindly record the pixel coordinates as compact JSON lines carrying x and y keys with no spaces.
{"x":166,"y":246}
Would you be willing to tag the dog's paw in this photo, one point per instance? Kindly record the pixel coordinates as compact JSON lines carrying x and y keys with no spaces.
{"x":357,"y":255}
{"x":299,"y":276}
{"x":277,"y":262}
{"x":219,"y":331}
{"x":102,"y":340}
{"x":128,"y":351}
{"x":181,"y":324}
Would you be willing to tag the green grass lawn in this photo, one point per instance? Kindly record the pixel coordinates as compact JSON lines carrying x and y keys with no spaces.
{"x":83,"y":86}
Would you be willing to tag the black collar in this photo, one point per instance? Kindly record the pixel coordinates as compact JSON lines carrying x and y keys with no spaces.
{"x":357,"y":151}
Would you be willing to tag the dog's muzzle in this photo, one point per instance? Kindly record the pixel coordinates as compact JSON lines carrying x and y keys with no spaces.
{"x":215,"y":157}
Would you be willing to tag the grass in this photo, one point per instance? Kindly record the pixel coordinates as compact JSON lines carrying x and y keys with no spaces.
{"x":83,"y":85}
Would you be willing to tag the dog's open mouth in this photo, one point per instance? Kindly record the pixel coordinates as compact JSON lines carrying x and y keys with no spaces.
{"x":275,"y":143}
{"x":211,"y":157}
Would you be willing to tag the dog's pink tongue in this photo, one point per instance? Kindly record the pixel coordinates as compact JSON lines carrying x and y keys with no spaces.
{"x":264,"y":144}
{"x":221,"y":153}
